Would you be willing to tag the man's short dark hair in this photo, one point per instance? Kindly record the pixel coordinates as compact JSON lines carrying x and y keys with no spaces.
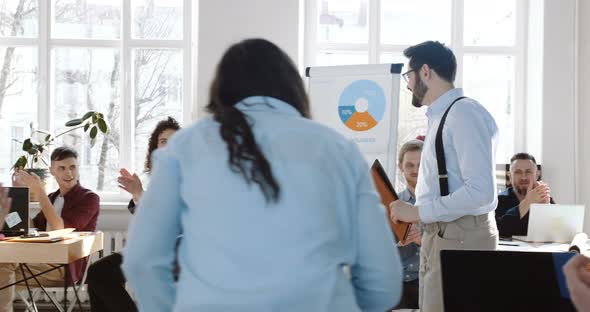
{"x":63,"y":152}
{"x":436,"y":55}
{"x":523,"y":156}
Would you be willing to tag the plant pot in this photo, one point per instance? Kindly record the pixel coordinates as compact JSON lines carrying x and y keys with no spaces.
{"x":43,"y":174}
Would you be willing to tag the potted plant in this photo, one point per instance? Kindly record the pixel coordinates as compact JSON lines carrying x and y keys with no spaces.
{"x":35,"y":148}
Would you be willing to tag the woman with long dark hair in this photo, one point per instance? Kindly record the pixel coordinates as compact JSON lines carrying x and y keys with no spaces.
{"x":106,"y":283}
{"x":275,"y":209}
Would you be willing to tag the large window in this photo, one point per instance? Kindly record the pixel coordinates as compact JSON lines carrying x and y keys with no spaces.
{"x":488,"y":39}
{"x":129,"y":59}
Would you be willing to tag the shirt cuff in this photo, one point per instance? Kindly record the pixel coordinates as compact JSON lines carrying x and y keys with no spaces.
{"x":426,"y":212}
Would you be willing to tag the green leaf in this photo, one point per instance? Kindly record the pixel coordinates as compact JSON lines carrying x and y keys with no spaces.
{"x":102,"y":125}
{"x":33,"y":150}
{"x":86,"y":126}
{"x":27,"y":145}
{"x":40,"y":148}
{"x":94,"y":118}
{"x":74,"y":122}
{"x":47,"y":138}
{"x":87,"y":115}
{"x":93,"y":132}
{"x":21,"y":162}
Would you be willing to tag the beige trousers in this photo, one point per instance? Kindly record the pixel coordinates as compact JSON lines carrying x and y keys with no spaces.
{"x":468,"y":232}
{"x":11,"y":272}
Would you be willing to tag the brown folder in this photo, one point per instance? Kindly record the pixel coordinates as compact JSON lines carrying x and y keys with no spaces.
{"x":388,"y":195}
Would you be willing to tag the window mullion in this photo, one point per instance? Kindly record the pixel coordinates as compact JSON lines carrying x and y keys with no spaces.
{"x":126,"y":122}
{"x":457,"y":26}
{"x":520,"y":79}
{"x":374,"y":30}
{"x":187,"y":103}
{"x":311,"y":37}
{"x":44,"y":95}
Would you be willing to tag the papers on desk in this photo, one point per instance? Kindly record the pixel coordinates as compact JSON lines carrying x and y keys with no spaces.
{"x":579,"y":244}
{"x":52,"y":237}
{"x":524,"y":246}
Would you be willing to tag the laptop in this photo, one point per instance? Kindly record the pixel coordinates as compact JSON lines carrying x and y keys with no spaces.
{"x":17,"y":219}
{"x":553,"y":223}
{"x":477,"y":280}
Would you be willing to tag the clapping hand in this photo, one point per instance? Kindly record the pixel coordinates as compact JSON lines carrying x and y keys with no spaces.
{"x":130,"y":183}
{"x":538,"y":193}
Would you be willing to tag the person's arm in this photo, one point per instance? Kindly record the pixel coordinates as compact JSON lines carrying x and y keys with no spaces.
{"x":149,"y":255}
{"x":510,"y":222}
{"x":131,"y":206}
{"x":377,"y":271}
{"x":472,"y":139}
{"x":33,"y":182}
{"x":577,"y":276}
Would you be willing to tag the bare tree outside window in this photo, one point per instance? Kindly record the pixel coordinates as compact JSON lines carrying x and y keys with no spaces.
{"x":85,"y":77}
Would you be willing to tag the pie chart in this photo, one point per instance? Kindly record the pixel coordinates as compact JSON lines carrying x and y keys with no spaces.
{"x":361,"y":105}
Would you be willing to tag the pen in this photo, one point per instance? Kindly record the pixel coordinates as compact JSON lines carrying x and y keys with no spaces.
{"x":506,"y":244}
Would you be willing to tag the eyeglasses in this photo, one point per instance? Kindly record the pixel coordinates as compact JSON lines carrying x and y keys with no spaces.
{"x":405,"y":75}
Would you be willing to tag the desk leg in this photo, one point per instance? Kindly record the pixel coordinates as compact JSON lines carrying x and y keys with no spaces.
{"x":66,"y":276}
{"x":60,"y":309}
{"x":29,"y":288}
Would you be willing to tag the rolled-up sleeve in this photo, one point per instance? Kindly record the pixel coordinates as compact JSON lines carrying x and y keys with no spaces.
{"x":149,"y":255}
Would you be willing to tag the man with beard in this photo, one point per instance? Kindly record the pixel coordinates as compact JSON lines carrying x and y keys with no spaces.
{"x":456,"y":189}
{"x":71,"y":206}
{"x":512,"y":214}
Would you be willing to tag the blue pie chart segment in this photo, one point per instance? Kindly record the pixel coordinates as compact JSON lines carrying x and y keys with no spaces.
{"x":370,"y":93}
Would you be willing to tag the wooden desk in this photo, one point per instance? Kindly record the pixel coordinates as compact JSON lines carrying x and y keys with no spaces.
{"x":62,"y":252}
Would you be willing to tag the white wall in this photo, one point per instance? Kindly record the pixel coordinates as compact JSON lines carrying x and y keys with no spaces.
{"x":224,"y":22}
{"x":559,"y":131}
{"x":566,"y":67}
{"x":583,"y":108}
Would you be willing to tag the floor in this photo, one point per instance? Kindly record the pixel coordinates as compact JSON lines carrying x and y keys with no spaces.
{"x":45,"y":307}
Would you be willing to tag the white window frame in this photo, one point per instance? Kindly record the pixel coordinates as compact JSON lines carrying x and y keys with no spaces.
{"x":375,"y":49}
{"x":45,"y":44}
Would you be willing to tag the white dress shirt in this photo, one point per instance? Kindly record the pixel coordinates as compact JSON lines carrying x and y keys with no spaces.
{"x":470,"y":137}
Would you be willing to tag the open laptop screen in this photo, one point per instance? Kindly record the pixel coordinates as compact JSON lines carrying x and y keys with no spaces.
{"x":476,"y":280}
{"x":17,"y":220}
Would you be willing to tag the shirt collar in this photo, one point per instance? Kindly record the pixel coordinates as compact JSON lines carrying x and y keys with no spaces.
{"x":442,"y":103}
{"x":266,"y":104}
{"x":69,"y":194}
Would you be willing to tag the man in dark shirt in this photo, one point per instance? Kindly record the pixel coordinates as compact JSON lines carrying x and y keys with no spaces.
{"x":71,"y":206}
{"x":512,"y":213}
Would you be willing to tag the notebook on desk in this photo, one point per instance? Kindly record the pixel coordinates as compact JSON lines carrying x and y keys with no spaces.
{"x":17,"y":220}
{"x":388,"y":195}
{"x":553,"y":223}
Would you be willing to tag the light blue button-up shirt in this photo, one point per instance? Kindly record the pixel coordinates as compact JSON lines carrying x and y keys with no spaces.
{"x":240,"y":253}
{"x":470,"y":137}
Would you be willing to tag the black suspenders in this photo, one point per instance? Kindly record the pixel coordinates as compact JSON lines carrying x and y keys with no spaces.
{"x":443,"y":178}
